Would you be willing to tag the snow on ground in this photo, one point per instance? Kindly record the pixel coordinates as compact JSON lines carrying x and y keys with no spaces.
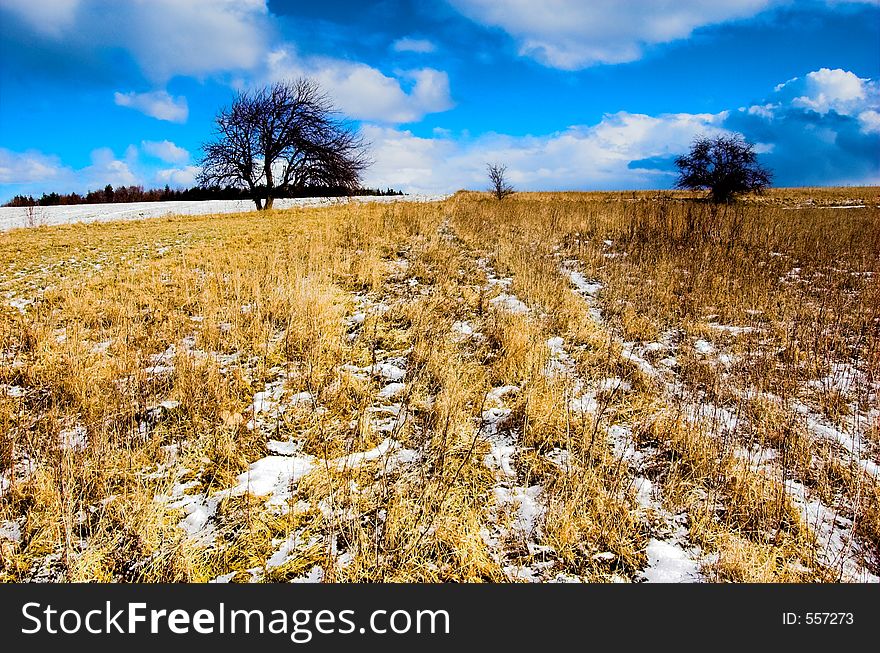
{"x":671,"y":556}
{"x":668,"y":562}
{"x":273,"y":476}
{"x":389,"y":450}
{"x":510,"y":303}
{"x":10,"y":530}
{"x":14,"y":217}
{"x":833,"y":533}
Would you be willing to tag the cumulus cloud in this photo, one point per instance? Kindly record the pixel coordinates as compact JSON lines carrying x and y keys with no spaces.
{"x":572,"y":34}
{"x":165,"y":151}
{"x":870,"y":121}
{"x":33,"y":172}
{"x":827,"y":90}
{"x":596,"y":156}
{"x":107,"y":169}
{"x":164,"y":37}
{"x":366,"y":93}
{"x":822,"y":128}
{"x":805,"y":146}
{"x":156,"y":104}
{"x":410,"y":44}
{"x":185,"y":176}
{"x":29,"y":167}
{"x":233,"y":39}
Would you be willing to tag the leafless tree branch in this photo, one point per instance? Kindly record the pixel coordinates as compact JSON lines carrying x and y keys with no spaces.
{"x":280,"y":138}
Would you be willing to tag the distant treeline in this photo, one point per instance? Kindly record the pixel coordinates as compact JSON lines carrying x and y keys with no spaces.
{"x":110,"y":195}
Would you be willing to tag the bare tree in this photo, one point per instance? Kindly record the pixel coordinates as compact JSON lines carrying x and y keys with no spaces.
{"x":280,"y":138}
{"x":500,"y":188}
{"x":725,"y":165}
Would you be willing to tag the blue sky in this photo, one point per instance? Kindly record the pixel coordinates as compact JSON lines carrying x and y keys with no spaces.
{"x":569,"y":94}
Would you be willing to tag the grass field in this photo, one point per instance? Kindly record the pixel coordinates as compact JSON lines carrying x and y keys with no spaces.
{"x":603,"y":387}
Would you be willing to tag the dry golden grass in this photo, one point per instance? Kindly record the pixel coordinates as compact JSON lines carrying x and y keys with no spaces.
{"x":570,"y":386}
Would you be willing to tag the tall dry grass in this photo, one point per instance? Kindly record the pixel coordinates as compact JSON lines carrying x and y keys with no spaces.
{"x":149,"y":367}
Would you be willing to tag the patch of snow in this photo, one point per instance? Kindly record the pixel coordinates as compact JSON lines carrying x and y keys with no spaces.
{"x":273,"y":476}
{"x":11,"y":531}
{"x":389,"y":449}
{"x":579,"y":281}
{"x":556,"y":346}
{"x":500,"y":457}
{"x":833,"y":533}
{"x":717,"y":417}
{"x":495,"y":281}
{"x":288,"y":550}
{"x":493,"y":418}
{"x":560,"y":457}
{"x":628,"y":353}
{"x":732,"y":330}
{"x":316,"y":575}
{"x":15,"y":391}
{"x":495,"y":394}
{"x":509,"y":303}
{"x":268,"y":400}
{"x":75,"y":438}
{"x":301,"y":398}
{"x":391,"y":390}
{"x":704,"y":347}
{"x":584,"y":404}
{"x":521,"y":573}
{"x":526,"y":502}
{"x":198,"y":508}
{"x":670,"y":563}
{"x":463,"y":328}
{"x":613,"y":384}
{"x":283,"y":448}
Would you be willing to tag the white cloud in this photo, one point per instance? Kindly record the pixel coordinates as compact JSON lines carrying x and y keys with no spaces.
{"x":870,"y":121}
{"x":827,"y":90}
{"x":157,"y":104}
{"x":763,"y":110}
{"x":410,"y":44}
{"x":30,"y":167}
{"x":626,"y":150}
{"x":185,"y":176}
{"x":596,"y":156}
{"x":36,"y":172}
{"x":33,"y":172}
{"x":196,"y":37}
{"x":165,"y":37}
{"x":107,"y":169}
{"x":573,"y":34}
{"x":50,"y":17}
{"x":231,"y":38}
{"x":365,"y":93}
{"x":165,"y":151}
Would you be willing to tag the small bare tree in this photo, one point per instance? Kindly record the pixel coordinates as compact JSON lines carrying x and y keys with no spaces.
{"x":33,"y":216}
{"x":279,"y":138}
{"x":500,"y":188}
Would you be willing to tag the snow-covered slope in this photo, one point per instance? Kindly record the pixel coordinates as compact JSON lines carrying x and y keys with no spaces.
{"x":13,"y":217}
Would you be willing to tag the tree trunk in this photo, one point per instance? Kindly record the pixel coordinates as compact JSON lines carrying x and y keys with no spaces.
{"x":258,"y":202}
{"x":270,"y":183}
